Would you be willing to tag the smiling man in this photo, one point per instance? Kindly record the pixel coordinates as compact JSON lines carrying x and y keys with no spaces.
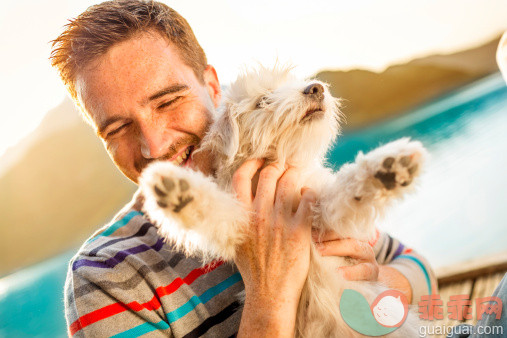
{"x":143,"y":83}
{"x":146,"y":102}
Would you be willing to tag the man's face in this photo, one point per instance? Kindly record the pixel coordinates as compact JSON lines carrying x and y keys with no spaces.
{"x":147,"y":104}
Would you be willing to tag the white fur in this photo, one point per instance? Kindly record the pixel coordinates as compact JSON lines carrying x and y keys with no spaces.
{"x":261,"y":117}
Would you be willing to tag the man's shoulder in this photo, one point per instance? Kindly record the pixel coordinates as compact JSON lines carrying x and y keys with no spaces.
{"x":127,"y":275}
{"x":129,"y":242}
{"x":129,"y":248}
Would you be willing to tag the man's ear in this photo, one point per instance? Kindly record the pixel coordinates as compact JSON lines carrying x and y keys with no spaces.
{"x":212,"y":85}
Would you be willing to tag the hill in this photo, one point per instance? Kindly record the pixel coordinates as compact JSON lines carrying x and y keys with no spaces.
{"x":370,"y":97}
{"x":61,"y":189}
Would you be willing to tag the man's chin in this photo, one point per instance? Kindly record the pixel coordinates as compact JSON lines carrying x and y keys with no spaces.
{"x":133,"y":177}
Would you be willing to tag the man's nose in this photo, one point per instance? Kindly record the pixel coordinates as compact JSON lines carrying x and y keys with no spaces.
{"x":154,"y":140}
{"x":315,"y":91}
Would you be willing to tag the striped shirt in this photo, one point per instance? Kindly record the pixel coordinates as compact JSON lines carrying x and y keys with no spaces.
{"x":125,"y":281}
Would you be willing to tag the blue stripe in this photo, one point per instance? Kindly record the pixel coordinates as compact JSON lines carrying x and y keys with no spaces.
{"x":116,"y":225}
{"x":423,"y":268}
{"x":202,"y":299}
{"x":142,"y":329}
{"x":119,"y":257}
{"x":182,"y":310}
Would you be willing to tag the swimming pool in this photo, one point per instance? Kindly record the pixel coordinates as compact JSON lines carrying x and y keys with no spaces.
{"x":457,"y":213}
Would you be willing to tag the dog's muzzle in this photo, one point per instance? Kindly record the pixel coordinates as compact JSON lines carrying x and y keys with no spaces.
{"x":315,"y":92}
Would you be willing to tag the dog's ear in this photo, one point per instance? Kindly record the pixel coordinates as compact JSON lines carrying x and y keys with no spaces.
{"x":223,"y":137}
{"x":229,"y":132}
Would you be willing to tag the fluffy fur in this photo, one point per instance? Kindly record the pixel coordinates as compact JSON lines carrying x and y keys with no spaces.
{"x":270,"y":114}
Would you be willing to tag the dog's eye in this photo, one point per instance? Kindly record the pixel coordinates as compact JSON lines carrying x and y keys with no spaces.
{"x":262,"y":102}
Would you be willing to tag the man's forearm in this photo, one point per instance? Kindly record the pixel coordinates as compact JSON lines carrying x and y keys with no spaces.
{"x":394,"y":279}
{"x":274,"y":321}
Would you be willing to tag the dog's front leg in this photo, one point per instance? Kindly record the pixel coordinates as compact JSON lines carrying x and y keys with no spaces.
{"x":192,"y":210}
{"x":362,"y":190}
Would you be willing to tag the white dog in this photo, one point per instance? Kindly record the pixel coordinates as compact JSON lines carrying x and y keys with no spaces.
{"x":270,"y":114}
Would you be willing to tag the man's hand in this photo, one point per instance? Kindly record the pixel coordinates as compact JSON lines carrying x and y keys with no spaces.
{"x":275,"y":258}
{"x":367,"y":267}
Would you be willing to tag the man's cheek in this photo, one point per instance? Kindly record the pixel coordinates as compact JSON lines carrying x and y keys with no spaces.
{"x":112,"y":148}
{"x":124,"y":156}
{"x":197,"y":118}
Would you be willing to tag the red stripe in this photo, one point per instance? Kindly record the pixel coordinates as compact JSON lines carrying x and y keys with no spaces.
{"x":153,"y":304}
{"x":374,"y":240}
{"x":189,"y":279}
{"x":407,"y":250}
{"x":92,"y":317}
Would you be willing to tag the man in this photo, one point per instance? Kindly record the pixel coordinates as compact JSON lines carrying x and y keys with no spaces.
{"x":142,"y":81}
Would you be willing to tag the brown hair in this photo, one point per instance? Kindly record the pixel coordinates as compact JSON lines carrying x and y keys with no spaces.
{"x":93,"y":32}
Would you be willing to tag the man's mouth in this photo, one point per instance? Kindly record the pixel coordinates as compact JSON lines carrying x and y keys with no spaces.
{"x":183,"y":158}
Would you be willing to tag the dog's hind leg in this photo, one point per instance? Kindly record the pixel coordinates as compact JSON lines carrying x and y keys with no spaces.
{"x":178,"y":197}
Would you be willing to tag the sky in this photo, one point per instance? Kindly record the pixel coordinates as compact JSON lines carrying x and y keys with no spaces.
{"x":330,"y":34}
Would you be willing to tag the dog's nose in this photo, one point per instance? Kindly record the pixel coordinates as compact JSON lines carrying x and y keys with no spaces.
{"x":315,"y":90}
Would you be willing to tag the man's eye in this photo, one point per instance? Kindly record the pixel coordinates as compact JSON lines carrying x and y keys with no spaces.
{"x":117,"y":130}
{"x":168,"y":103}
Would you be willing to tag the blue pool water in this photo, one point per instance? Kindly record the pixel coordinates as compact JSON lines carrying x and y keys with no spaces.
{"x":459,"y":209}
{"x":457,"y":213}
{"x":31,"y":300}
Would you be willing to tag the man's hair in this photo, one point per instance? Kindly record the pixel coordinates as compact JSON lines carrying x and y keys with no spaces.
{"x":101,"y":26}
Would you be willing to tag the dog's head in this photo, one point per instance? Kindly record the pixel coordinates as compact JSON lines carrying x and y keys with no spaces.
{"x":268,"y":113}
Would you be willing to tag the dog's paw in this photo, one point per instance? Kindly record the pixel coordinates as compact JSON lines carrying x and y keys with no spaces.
{"x":398,"y":163}
{"x":173,"y":193}
{"x":389,"y":169}
{"x":168,"y":188}
{"x":398,"y":171}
